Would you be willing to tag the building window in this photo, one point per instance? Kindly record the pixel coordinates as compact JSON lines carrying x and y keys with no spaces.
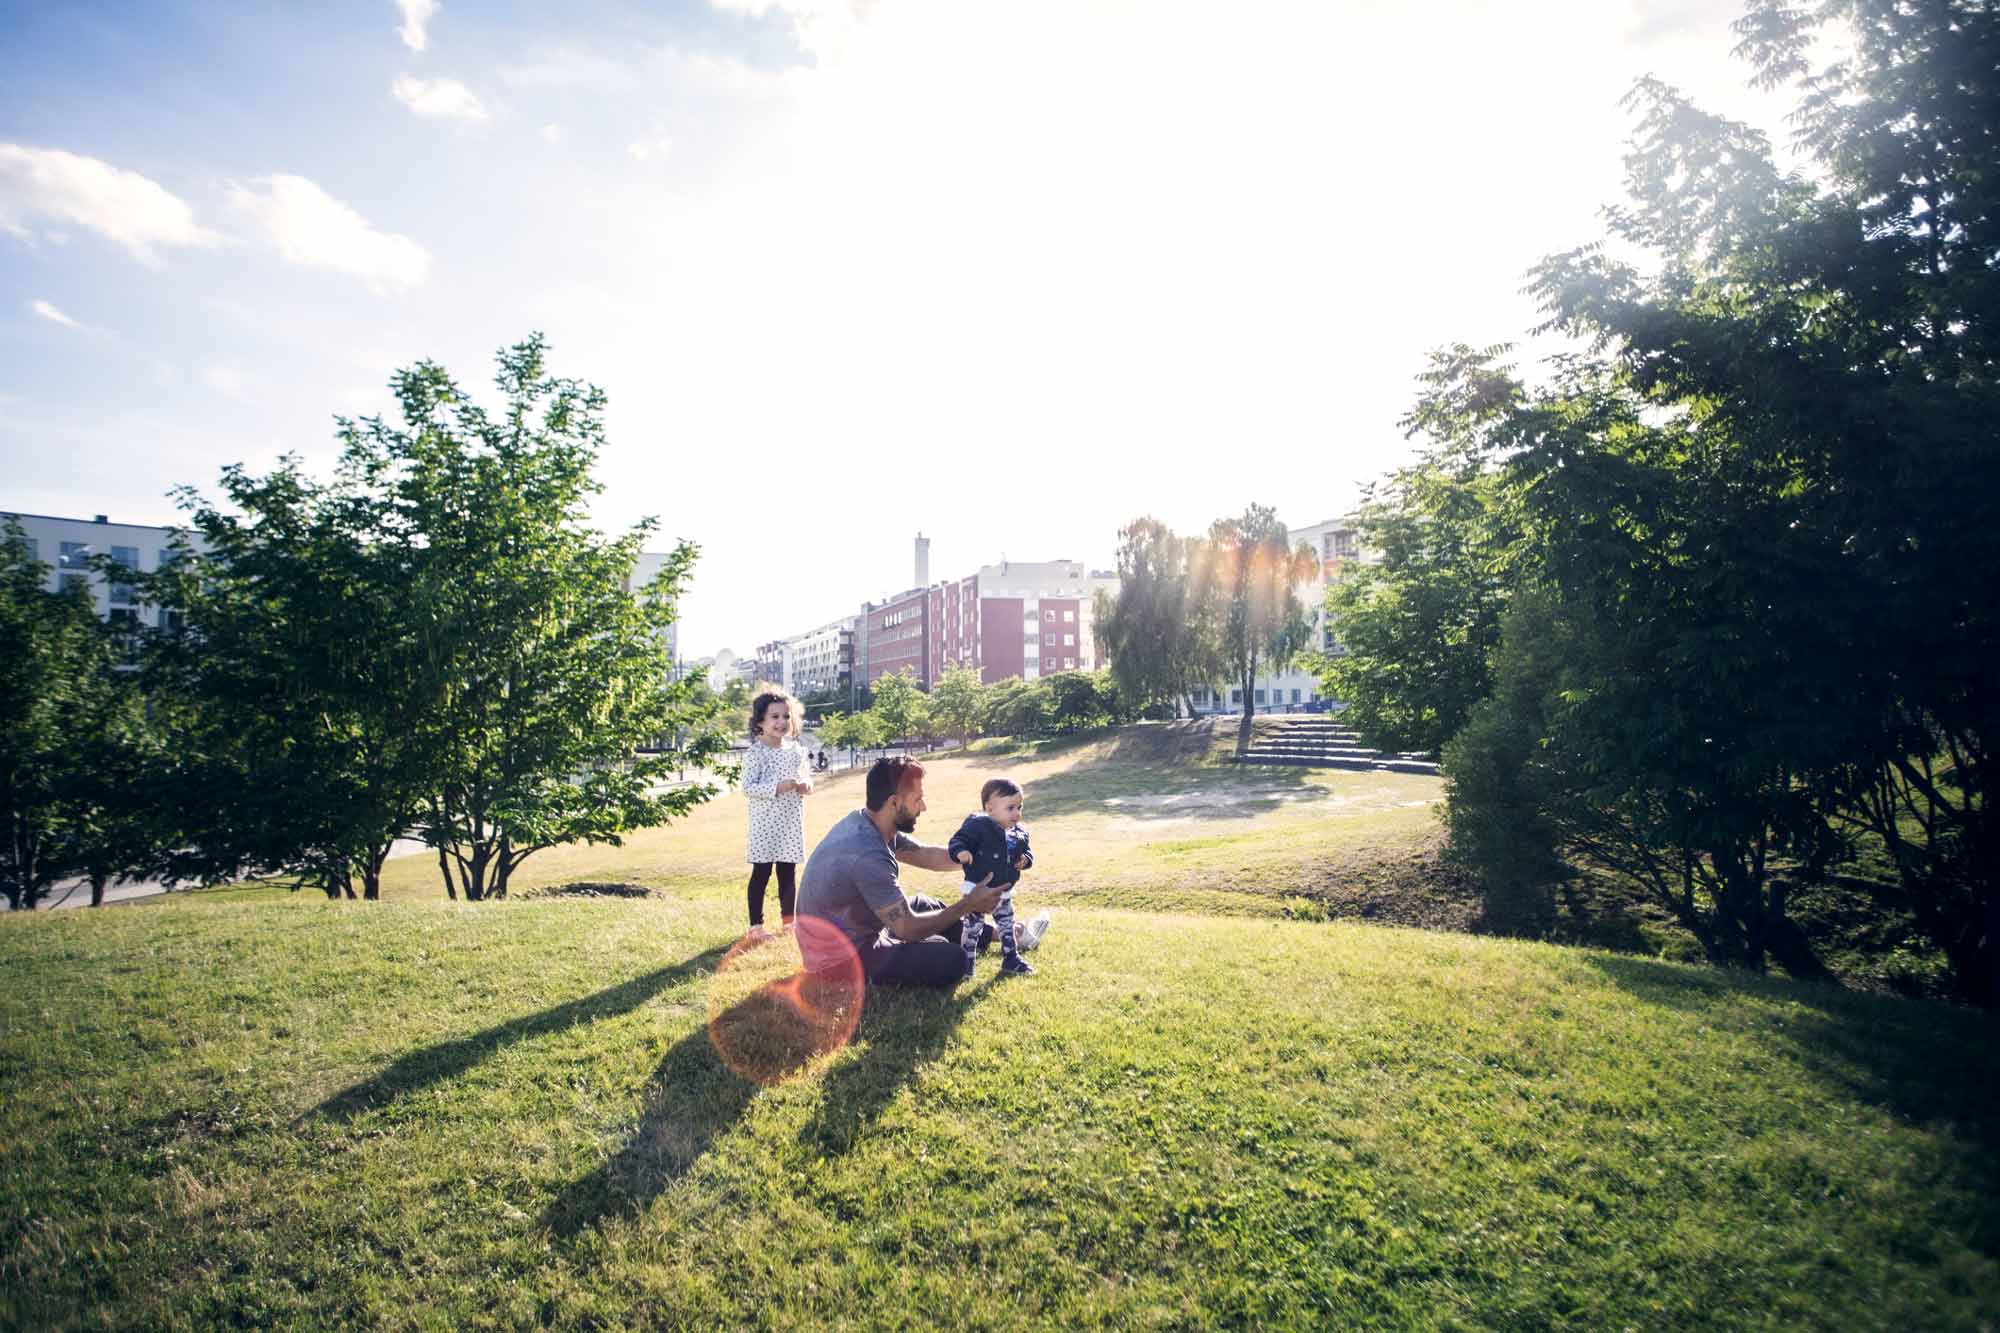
{"x":1069,"y":640}
{"x":1030,"y":639}
{"x":75,"y":555}
{"x":1260,"y":696}
{"x":121,"y":589}
{"x":1069,"y":615}
{"x":34,"y":551}
{"x":76,"y":585}
{"x":1235,"y":695}
{"x":1295,"y":696}
{"x":1340,"y":545}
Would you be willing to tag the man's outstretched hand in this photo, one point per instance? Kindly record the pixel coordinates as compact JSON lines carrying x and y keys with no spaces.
{"x":984,"y":898}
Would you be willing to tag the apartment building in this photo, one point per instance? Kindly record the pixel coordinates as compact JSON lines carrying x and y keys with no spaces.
{"x":66,"y":545}
{"x":820,"y":661}
{"x":1335,"y":542}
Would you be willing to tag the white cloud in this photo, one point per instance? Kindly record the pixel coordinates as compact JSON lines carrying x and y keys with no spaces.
{"x":822,"y":26}
{"x":552,"y":133}
{"x":225,"y":379}
{"x":121,"y":205}
{"x":49,"y":312}
{"x":652,"y":146}
{"x":310,"y":227}
{"x":445,"y":98}
{"x":417,"y":15}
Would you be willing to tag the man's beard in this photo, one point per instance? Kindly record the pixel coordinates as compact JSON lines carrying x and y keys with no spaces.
{"x":906,"y":822}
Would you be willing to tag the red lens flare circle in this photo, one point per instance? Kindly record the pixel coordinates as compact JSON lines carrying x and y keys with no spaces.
{"x":768,"y":1018}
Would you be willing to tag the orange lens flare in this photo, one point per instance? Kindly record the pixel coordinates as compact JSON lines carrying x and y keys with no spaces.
{"x":768,"y":1018}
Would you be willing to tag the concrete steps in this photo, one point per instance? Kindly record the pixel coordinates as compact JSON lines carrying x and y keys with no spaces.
{"x":1322,"y":744}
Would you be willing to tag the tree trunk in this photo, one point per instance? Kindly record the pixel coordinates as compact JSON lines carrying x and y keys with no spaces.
{"x":1249,"y":708}
{"x":97,"y":878}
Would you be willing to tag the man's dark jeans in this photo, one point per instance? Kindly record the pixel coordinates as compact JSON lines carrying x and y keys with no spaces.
{"x":938,"y":961}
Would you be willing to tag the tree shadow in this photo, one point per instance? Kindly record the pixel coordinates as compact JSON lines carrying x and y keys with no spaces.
{"x":706,"y":1081}
{"x":1923,"y":1061}
{"x":435,"y":1064}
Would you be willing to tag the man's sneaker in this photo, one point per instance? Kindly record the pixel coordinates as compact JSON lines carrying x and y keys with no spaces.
{"x":1030,"y":935}
{"x":1013,"y":965}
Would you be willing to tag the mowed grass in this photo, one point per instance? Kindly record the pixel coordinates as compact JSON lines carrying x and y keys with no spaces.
{"x":271,"y":1110}
{"x":1145,"y":817}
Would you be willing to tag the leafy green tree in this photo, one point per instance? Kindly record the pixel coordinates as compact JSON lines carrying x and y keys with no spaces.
{"x":899,"y":705}
{"x":1760,"y":502}
{"x":544,"y":675}
{"x":855,"y":732}
{"x":435,"y":639}
{"x":1016,"y":707}
{"x":1250,"y":567}
{"x":71,"y":729}
{"x":958,"y":703}
{"x":1079,"y":701}
{"x":1417,"y":631}
{"x":1160,"y":630}
{"x":297,"y":695}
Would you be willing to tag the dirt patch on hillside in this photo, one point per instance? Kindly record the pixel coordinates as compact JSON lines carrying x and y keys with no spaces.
{"x":589,"y":890}
{"x":1408,"y":885}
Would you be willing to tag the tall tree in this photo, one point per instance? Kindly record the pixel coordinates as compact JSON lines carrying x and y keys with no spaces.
{"x":1159,"y":630}
{"x":295,"y":690}
{"x":1249,"y":565}
{"x":1764,"y":491}
{"x":542,"y":674}
{"x":900,"y":704}
{"x":435,"y":640}
{"x":958,"y":703}
{"x":1417,"y":630}
{"x":70,"y":725}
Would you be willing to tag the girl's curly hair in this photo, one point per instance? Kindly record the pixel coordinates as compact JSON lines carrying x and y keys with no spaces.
{"x":773,"y":694}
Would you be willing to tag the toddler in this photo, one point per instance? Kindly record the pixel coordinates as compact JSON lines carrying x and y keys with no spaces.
{"x":994,"y":843}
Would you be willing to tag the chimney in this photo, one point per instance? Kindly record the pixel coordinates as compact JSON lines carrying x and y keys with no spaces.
{"x":923,"y":561}
{"x":103,"y":518}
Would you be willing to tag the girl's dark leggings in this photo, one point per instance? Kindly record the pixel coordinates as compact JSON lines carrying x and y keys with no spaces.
{"x":760,"y":875}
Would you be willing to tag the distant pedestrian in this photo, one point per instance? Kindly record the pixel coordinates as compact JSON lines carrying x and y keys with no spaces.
{"x":776,"y":781}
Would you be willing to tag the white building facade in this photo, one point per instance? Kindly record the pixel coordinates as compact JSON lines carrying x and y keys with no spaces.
{"x":66,"y":545}
{"x":820,"y":661}
{"x":1335,"y":542}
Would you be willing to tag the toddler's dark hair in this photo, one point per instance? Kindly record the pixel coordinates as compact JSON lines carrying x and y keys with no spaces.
{"x":998,"y":786}
{"x":762,"y":705}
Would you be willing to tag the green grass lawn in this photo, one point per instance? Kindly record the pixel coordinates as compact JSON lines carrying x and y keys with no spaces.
{"x":264,"y":1109}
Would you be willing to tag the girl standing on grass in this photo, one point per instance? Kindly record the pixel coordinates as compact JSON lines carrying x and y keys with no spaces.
{"x":776,"y":781}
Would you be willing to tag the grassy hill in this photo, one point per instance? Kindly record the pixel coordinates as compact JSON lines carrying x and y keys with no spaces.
{"x":258,"y":1108}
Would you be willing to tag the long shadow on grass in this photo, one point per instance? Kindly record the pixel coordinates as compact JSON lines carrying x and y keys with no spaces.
{"x":697,"y":1094}
{"x":435,"y":1064}
{"x":1924,"y":1062}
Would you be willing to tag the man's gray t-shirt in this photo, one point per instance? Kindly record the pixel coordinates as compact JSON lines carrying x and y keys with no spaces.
{"x":850,"y":877}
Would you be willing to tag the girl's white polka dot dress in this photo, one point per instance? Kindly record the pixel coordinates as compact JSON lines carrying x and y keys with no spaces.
{"x":777,"y":823}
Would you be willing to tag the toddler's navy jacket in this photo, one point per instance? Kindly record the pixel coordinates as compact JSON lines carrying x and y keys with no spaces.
{"x":993,"y":849}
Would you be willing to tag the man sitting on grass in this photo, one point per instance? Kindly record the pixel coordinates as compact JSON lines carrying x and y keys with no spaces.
{"x":850,"y":883}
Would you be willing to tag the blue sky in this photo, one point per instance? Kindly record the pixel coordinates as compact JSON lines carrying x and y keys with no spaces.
{"x":1010,"y":274}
